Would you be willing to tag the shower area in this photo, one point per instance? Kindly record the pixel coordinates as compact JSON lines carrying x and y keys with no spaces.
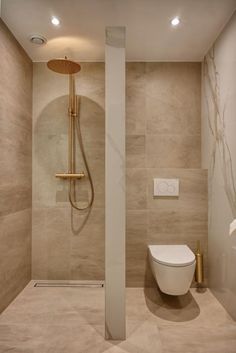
{"x":60,"y":131}
{"x":68,"y":171}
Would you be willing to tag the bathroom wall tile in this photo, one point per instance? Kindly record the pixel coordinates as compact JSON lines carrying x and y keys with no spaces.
{"x":190,"y":239}
{"x":135,"y":99}
{"x":14,"y":198}
{"x":88,"y":247}
{"x":16,"y":67}
{"x":16,"y":166}
{"x":91,"y":82}
{"x":177,"y":78}
{"x":136,"y":247}
{"x":219,"y":156}
{"x":86,"y":266}
{"x":137,"y":269}
{"x":63,"y":248}
{"x":135,"y":151}
{"x":173,"y":98}
{"x":136,"y":227}
{"x":163,"y":131}
{"x":58,"y":243}
{"x":173,"y":151}
{"x":167,"y":95}
{"x":192,"y":190}
{"x":135,"y":73}
{"x":174,"y":228}
{"x":165,"y":118}
{"x":136,"y":185}
{"x":15,"y":250}
{"x":39,"y":244}
{"x":178,"y":222}
{"x":15,"y":137}
{"x":51,"y":244}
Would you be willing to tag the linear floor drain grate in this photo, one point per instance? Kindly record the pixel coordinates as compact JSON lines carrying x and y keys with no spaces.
{"x":72,"y":285}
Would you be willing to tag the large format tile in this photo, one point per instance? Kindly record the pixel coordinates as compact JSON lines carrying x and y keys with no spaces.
{"x":14,"y":198}
{"x":72,"y":320}
{"x":15,"y":250}
{"x":135,"y":99}
{"x":68,"y":245}
{"x":137,"y":268}
{"x":192,"y":190}
{"x":135,"y":151}
{"x":136,"y":185}
{"x":173,"y":98}
{"x":173,"y":151}
{"x":88,"y":249}
{"x":16,"y":166}
{"x":169,"y":221}
{"x":163,"y":128}
{"x":198,"y":339}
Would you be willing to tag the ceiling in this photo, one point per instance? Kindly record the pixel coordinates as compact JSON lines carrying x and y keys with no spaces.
{"x":150,"y":36}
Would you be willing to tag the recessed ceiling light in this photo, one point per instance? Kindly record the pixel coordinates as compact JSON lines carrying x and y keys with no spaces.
{"x":55,"y":21}
{"x":175,"y":21}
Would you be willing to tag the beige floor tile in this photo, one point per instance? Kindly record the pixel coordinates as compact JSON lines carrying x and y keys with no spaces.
{"x":71,"y":320}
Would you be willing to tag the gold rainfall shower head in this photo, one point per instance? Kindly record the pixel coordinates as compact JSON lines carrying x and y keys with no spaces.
{"x":64,"y":66}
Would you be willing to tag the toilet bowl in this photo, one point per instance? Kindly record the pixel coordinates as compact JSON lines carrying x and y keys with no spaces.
{"x":173,"y":267}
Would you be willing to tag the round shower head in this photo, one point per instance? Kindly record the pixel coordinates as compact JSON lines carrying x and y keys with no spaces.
{"x":64,"y":66}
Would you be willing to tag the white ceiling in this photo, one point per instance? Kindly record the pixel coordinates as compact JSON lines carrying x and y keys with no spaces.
{"x":150,"y":36}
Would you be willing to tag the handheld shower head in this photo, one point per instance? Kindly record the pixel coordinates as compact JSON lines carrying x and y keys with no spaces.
{"x":64,"y":66}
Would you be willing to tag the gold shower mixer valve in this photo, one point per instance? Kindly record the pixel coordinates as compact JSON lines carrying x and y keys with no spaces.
{"x":70,"y":175}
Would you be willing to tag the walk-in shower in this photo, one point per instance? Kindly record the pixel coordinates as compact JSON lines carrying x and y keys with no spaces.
{"x":69,"y":67}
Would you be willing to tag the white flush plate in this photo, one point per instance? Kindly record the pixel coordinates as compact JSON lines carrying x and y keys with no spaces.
{"x":166,"y":187}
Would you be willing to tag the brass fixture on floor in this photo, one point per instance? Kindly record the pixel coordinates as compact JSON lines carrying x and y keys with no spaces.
{"x":199,"y":272}
{"x":69,"y":67}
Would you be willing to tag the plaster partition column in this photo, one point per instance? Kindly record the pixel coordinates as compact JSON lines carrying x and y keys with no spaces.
{"x":115,"y":184}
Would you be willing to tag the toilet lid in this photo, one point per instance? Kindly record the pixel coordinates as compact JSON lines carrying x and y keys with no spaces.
{"x":172,"y":255}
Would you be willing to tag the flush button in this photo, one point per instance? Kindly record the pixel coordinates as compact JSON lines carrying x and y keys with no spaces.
{"x":166,"y":187}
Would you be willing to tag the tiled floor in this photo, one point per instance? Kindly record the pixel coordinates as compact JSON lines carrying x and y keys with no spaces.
{"x":69,"y":320}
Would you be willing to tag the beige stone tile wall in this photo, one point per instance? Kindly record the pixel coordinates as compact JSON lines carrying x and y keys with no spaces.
{"x":162,"y":140}
{"x":219,"y":156}
{"x":15,"y":170}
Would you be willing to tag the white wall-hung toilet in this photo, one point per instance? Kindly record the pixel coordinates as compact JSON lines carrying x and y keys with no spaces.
{"x":173,"y":267}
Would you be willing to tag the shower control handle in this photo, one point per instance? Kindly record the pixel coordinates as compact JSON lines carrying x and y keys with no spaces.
{"x":70,"y":175}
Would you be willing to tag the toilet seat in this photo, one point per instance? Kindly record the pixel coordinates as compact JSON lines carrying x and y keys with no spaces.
{"x":172,"y":255}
